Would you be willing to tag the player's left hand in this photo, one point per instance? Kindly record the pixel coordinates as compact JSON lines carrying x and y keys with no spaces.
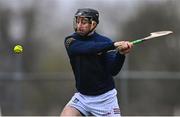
{"x":124,"y":47}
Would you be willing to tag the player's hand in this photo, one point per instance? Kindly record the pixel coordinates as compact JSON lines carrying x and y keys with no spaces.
{"x":123,"y":47}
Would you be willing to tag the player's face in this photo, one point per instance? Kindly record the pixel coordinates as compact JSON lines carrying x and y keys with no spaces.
{"x":83,"y":25}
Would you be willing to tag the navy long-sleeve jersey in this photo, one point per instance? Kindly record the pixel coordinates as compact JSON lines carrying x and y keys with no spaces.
{"x":93,"y":62}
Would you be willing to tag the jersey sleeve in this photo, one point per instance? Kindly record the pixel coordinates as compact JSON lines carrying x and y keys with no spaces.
{"x":115,"y":61}
{"x":78,"y":47}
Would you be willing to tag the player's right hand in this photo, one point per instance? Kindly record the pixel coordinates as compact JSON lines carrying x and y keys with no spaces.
{"x":123,"y":47}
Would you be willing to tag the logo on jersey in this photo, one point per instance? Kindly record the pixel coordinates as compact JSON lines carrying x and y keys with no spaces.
{"x":76,"y":100}
{"x":69,"y":41}
{"x":116,"y":111}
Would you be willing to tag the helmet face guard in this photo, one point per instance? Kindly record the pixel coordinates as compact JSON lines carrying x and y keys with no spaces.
{"x":86,"y":19}
{"x":90,"y":14}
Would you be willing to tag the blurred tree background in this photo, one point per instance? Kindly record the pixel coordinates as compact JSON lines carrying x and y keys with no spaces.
{"x":40,"y":81}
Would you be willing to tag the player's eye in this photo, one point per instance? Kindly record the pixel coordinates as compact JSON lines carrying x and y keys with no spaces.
{"x":83,"y":20}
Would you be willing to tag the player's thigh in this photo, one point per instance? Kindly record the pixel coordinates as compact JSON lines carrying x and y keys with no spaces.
{"x":70,"y":111}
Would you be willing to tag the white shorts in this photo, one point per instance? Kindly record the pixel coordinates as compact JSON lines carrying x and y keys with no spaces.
{"x":101,"y":105}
